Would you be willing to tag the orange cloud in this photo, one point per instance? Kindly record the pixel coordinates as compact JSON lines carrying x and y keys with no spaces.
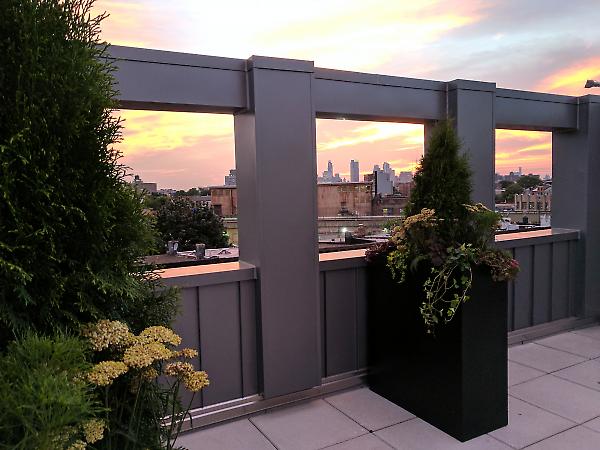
{"x":137,"y":24}
{"x":345,"y":37}
{"x":531,"y":150}
{"x":371,"y":143}
{"x":571,"y":80}
{"x":178,"y":150}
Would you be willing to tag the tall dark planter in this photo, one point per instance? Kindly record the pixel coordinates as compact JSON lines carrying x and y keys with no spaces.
{"x":456,"y":380}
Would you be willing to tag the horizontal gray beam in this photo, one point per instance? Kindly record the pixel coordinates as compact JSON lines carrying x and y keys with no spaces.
{"x":362,"y":96}
{"x":534,"y":110}
{"x":170,"y":81}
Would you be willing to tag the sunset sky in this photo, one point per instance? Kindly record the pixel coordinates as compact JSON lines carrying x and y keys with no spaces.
{"x":541,"y":45}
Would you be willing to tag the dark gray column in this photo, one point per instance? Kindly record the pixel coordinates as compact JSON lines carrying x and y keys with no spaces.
{"x":277,"y":210}
{"x":471,"y":106}
{"x":575,"y":198}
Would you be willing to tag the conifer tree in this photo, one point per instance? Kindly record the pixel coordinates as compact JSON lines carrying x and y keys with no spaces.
{"x":443,"y":183}
{"x":71,"y":229}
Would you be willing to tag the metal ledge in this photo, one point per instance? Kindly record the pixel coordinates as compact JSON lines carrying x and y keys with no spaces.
{"x":526,"y":238}
{"x":209,"y":274}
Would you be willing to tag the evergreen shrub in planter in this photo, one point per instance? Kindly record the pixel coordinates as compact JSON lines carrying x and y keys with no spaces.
{"x":438,"y":302}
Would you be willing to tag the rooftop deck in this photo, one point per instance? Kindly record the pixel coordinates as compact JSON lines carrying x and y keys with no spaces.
{"x":554,"y":403}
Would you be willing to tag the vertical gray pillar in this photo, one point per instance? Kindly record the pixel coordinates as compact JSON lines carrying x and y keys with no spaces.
{"x":575,"y":198}
{"x":277,"y":210}
{"x":471,"y":106}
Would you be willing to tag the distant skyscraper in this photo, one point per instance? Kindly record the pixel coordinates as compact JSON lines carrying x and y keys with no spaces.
{"x":230,"y":180}
{"x":329,"y":176}
{"x":354,"y":172}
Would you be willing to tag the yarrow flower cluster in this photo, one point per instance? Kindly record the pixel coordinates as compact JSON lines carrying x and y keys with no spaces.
{"x":193,"y":380}
{"x":196,"y":381}
{"x":107,"y":333}
{"x":143,"y":359}
{"x":159,"y":334}
{"x":93,"y":430}
{"x":78,"y":445}
{"x":187,"y":353}
{"x":143,"y":355}
{"x":103,"y":373}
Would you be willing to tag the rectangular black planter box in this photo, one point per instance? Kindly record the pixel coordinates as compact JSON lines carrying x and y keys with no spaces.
{"x":456,"y":380}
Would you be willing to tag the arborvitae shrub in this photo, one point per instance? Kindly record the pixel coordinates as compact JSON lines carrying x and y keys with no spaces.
{"x":71,"y":229}
{"x":443,"y":183}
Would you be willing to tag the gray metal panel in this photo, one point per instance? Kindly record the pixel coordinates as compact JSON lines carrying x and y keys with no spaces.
{"x":575,"y":307}
{"x":169,"y":87}
{"x":511,"y":300}
{"x":186,"y":325}
{"x":175,"y":58}
{"x":560,"y":280}
{"x":534,"y":111}
{"x":340,"y":321}
{"x":361,"y":316}
{"x":276,"y":162}
{"x":523,"y":288}
{"x":542,"y":287}
{"x":337,"y":99}
{"x":248,"y":338}
{"x":220,"y":342}
{"x":576,"y":161}
{"x":376,"y":79}
{"x":473,"y":114}
{"x":322,"y":282}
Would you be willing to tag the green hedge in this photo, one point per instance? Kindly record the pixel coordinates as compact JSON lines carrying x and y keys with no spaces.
{"x":71,"y":229}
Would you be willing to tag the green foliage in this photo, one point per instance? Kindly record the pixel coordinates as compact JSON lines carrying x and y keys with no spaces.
{"x":443,"y":182}
{"x":509,"y":192}
{"x":179,"y":219}
{"x":448,"y":286}
{"x":443,"y":235}
{"x":529,"y":181}
{"x":72,"y":230}
{"x":391,"y":224}
{"x":155,"y":201}
{"x":126,"y":375}
{"x":42,"y":404}
{"x":191,"y":191}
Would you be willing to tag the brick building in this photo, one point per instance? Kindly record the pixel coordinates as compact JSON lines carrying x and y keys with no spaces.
{"x":224,"y":200}
{"x":333,"y":199}
{"x":538,"y":199}
{"x":344,"y":199}
{"x":389,"y":205}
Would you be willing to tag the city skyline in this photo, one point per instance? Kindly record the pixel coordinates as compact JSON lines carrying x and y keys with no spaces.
{"x":148,"y":152}
{"x":552,"y":48}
